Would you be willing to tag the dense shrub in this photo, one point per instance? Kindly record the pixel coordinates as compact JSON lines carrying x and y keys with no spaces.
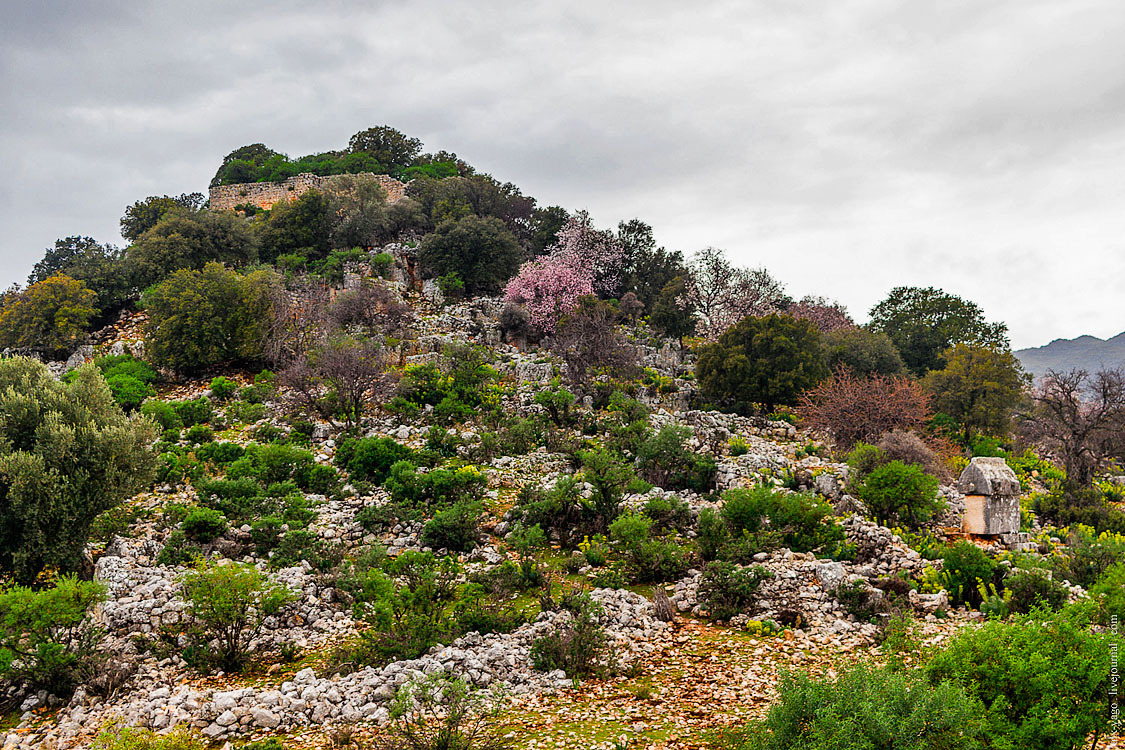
{"x":68,"y":455}
{"x":965,"y":567}
{"x":370,"y":459}
{"x":230,"y":602}
{"x":455,"y":528}
{"x":199,"y":319}
{"x":767,"y":517}
{"x":435,"y":488}
{"x":1042,"y":679}
{"x":609,"y":475}
{"x":726,"y":589}
{"x":128,"y":378}
{"x":1028,"y":589}
{"x":902,"y":493}
{"x":203,"y":525}
{"x":481,"y":251}
{"x":50,"y":316}
{"x":762,"y":361}
{"x":862,"y":351}
{"x":100,"y":267}
{"x":222,"y":388}
{"x":1110,"y":593}
{"x":132,"y":738}
{"x":47,"y":637}
{"x":666,"y":461}
{"x":190,"y":240}
{"x":865,"y":707}
{"x":650,"y":558}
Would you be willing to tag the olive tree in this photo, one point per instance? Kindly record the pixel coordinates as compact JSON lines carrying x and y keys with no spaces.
{"x":67,"y":454}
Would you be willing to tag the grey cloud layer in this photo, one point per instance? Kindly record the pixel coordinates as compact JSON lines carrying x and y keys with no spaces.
{"x":847,"y":148}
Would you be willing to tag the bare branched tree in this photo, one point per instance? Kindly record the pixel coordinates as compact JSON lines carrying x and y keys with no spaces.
{"x":1079,"y":419}
{"x":723,"y":294}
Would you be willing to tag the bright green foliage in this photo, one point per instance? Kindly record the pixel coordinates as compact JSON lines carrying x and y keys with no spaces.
{"x":1088,"y":554}
{"x":222,"y":388}
{"x":726,"y":589}
{"x":666,"y":461}
{"x":1042,"y":678}
{"x":50,"y":316}
{"x":863,"y":459}
{"x":302,"y":227}
{"x":978,"y":387}
{"x":403,"y":601}
{"x":371,"y":459}
{"x":797,"y":521}
{"x":230,"y":602}
{"x":198,"y":319}
{"x":67,"y":454}
{"x":128,"y":378}
{"x":965,"y":568}
{"x":47,"y":639}
{"x":865,"y":709}
{"x":1110,"y":593}
{"x":900,"y":493}
{"x":650,"y":558}
{"x":277,"y":462}
{"x":479,"y":250}
{"x":923,"y":323}
{"x":763,"y":361}
{"x":435,"y":488}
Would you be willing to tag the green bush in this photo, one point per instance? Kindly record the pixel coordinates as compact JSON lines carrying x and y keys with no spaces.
{"x":441,"y":712}
{"x":455,"y":528}
{"x":649,"y":558}
{"x":203,"y":525}
{"x":199,"y":433}
{"x":222,"y":388}
{"x":666,"y":461}
{"x":47,"y":638}
{"x":199,"y":319}
{"x":558,"y":402}
{"x":50,"y":316}
{"x":371,"y":459}
{"x":435,"y":488}
{"x":965,"y":567}
{"x":902,"y":493}
{"x":128,"y":378}
{"x":68,"y":454}
{"x":866,"y":708}
{"x":799,"y":522}
{"x":1110,"y":594}
{"x":609,"y":475}
{"x":479,"y":250}
{"x":219,"y":453}
{"x":230,"y":602}
{"x":164,"y":414}
{"x":765,"y":361}
{"x":196,"y":411}
{"x":1042,"y":679}
{"x":296,"y":545}
{"x":1029,"y":589}
{"x":864,"y":459}
{"x":1088,"y":554}
{"x":727,"y":590}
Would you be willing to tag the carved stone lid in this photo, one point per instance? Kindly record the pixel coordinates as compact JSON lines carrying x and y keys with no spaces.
{"x":988,"y":475}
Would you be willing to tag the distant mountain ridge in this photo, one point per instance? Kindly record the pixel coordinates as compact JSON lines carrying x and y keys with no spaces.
{"x":1087,"y":352}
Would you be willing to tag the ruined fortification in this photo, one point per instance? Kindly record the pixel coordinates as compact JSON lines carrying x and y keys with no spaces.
{"x":266,"y":194}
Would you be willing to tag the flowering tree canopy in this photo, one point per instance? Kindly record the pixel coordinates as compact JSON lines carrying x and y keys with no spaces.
{"x":723,"y":294}
{"x":827,"y":315}
{"x":583,"y":261}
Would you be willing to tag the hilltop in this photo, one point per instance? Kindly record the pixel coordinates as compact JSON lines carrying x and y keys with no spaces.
{"x":1085,"y":352}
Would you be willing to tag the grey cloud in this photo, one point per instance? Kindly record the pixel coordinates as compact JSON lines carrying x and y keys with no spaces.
{"x":849,"y":147}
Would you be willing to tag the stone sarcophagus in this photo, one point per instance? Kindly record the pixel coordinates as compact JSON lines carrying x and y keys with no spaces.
{"x":992,"y":497}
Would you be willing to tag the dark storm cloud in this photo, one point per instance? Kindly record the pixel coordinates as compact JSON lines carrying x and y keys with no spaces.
{"x":849,"y":147}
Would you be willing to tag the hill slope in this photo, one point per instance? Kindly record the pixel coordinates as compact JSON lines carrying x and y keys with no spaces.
{"x":1087,"y":352}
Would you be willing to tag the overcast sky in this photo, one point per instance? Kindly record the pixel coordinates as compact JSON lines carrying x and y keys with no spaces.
{"x":849,"y":146}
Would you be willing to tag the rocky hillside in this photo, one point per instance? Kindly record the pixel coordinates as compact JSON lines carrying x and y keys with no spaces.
{"x":610,"y":566}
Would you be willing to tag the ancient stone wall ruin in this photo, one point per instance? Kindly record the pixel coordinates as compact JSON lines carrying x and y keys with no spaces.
{"x":266,"y":194}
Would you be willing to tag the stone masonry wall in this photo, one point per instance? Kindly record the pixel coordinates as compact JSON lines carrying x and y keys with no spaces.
{"x":267,"y":194}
